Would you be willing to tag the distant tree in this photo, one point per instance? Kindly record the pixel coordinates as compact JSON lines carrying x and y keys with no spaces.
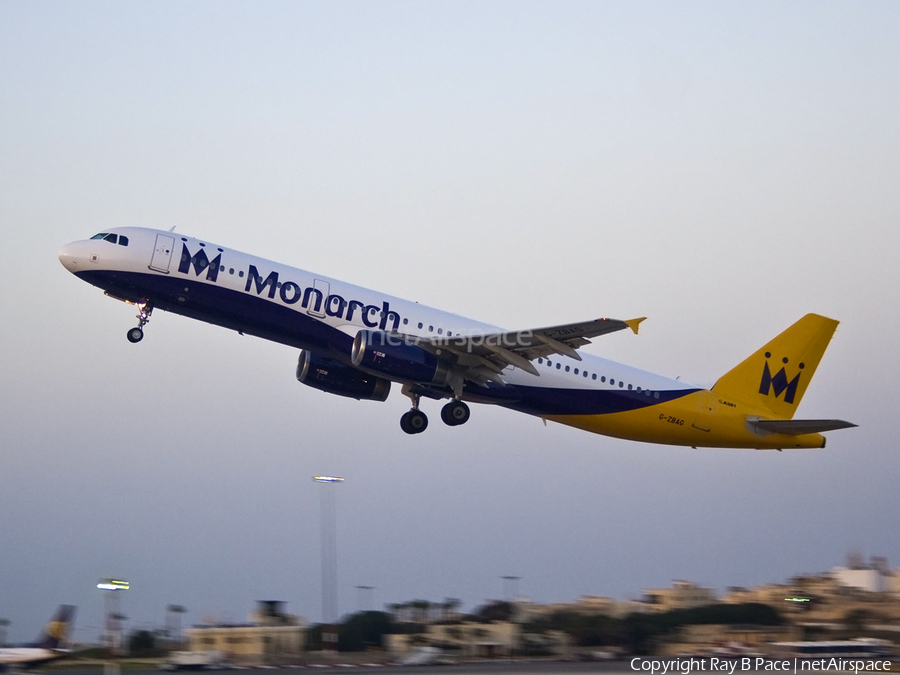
{"x":364,"y":630}
{"x":855,"y":621}
{"x":314,"y":638}
{"x":498,"y":610}
{"x":450,"y":606}
{"x":640,"y":632}
{"x":421,"y":609}
{"x":142,"y":643}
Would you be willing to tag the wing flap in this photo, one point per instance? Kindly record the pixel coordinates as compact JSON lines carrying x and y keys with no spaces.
{"x":508,"y":347}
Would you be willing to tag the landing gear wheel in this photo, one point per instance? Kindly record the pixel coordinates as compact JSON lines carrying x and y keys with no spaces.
{"x":136,"y":334}
{"x":414,"y":422}
{"x":455,"y":413}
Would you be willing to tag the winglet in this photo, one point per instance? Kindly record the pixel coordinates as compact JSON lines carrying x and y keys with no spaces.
{"x":634,"y":323}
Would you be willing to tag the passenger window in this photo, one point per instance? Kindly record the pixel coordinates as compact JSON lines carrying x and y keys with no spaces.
{"x":567,"y":369}
{"x":594,"y":376}
{"x":221,"y":268}
{"x":241,"y":273}
{"x":621,"y":384}
{"x":420,"y":324}
{"x":558,"y":366}
{"x":123,"y":240}
{"x":655,"y":394}
{"x":99,"y":236}
{"x":440,"y":331}
{"x":576,"y":371}
{"x":603,"y":379}
{"x":112,"y":238}
{"x":230,"y":270}
{"x":405,"y":321}
{"x":430,"y":329}
{"x":629,"y":387}
{"x":540,"y":361}
{"x":584,"y":372}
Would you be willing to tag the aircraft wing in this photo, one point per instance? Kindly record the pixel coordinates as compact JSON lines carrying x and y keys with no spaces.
{"x":484,"y":356}
{"x":800,"y":427}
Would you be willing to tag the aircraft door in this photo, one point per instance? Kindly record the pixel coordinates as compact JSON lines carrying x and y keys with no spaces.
{"x":317,"y":304}
{"x":162,"y":254}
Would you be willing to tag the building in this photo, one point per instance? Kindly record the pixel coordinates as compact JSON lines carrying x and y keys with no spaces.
{"x":271,"y":637}
{"x":871,"y":579}
{"x":682,"y":595}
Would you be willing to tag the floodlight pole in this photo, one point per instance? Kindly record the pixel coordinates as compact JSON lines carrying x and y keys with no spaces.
{"x":329,"y":561}
{"x":112,"y":621}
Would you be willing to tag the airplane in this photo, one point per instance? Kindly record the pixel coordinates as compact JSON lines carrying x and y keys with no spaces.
{"x":356,"y":342}
{"x":48,"y":647}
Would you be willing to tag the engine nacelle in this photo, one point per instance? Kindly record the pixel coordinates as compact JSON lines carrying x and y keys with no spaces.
{"x":398,"y":358}
{"x":334,"y":377}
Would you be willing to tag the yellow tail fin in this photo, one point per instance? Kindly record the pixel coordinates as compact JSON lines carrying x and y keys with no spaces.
{"x":774,"y":379}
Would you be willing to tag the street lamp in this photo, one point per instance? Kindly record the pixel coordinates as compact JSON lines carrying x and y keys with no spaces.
{"x":329,"y":560}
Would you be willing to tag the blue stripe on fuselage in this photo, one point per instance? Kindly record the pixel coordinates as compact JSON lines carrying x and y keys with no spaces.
{"x":261,"y":317}
{"x":225,"y":307}
{"x":551,"y":401}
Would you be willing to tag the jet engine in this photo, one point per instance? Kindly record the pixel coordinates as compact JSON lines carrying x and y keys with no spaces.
{"x":334,"y":377}
{"x":397,"y":357}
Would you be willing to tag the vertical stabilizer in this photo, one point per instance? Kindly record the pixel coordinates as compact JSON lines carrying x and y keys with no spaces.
{"x":56,"y":633}
{"x":774,"y":379}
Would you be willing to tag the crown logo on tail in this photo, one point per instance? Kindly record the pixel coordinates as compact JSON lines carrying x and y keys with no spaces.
{"x":779,"y":382}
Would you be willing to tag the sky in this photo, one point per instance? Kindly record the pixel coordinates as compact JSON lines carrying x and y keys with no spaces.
{"x":721,"y":168}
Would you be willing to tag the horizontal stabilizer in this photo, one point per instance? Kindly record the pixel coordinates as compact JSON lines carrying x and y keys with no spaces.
{"x":798,"y":427}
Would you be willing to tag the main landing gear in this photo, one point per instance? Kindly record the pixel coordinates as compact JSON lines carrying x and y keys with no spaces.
{"x":455,"y":413}
{"x":415,"y":421}
{"x":136,"y":334}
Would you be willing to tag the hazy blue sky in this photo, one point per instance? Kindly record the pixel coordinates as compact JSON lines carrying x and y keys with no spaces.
{"x":722,"y":168}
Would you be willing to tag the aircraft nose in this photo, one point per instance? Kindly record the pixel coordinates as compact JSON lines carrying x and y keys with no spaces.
{"x":71,"y":257}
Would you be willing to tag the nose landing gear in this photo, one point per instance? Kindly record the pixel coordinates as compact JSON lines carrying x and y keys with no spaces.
{"x":136,"y":334}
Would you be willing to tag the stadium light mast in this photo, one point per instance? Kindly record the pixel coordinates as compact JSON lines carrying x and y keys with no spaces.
{"x":329,"y":561}
{"x":112,"y":621}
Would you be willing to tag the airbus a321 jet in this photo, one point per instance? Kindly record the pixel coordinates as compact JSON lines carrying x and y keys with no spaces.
{"x":355,"y":342}
{"x":50,"y":645}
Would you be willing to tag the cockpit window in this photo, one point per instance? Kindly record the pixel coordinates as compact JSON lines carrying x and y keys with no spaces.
{"x":120,"y":239}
